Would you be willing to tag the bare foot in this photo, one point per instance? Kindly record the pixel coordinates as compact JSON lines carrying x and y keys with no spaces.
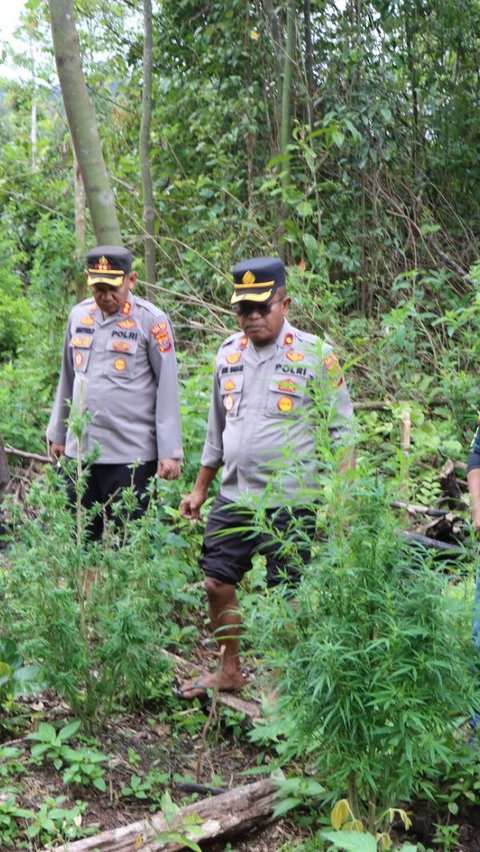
{"x":200,"y":686}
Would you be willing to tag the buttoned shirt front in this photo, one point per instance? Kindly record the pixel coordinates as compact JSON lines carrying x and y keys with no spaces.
{"x":121,"y":372}
{"x":268,"y":408}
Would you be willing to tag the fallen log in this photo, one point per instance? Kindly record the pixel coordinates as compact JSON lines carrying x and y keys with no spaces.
{"x":445,"y":546}
{"x":233,"y":812}
{"x":22,"y":454}
{"x":413,"y":509}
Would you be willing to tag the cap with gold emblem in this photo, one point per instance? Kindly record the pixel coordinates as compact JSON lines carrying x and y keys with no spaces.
{"x":257,"y":278}
{"x":108,"y":265}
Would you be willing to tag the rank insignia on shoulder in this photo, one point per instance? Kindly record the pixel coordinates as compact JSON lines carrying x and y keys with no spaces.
{"x":88,"y":320}
{"x":285,"y":404}
{"x":78,"y":359}
{"x":234,"y":358}
{"x":120,"y":364}
{"x":295,"y":356}
{"x":229,"y":385}
{"x":288,"y":339}
{"x":121,"y":346}
{"x":244,"y":342}
{"x":125,"y":310}
{"x":127,"y":323}
{"x":84,"y":341}
{"x":228,"y":402}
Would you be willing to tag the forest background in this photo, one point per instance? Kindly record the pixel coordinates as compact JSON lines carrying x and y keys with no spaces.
{"x":341,"y":135}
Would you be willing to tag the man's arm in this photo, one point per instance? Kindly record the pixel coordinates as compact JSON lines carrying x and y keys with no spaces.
{"x":191,"y":504}
{"x":57,"y":424}
{"x":161,"y":353}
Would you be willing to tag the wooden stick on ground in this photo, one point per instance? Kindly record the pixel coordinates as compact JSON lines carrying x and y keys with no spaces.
{"x":231,"y":813}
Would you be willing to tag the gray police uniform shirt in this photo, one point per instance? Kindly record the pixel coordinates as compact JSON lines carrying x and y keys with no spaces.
{"x":271,"y":408}
{"x":122,"y":372}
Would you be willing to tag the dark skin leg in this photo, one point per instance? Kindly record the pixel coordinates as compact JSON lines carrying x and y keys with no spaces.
{"x":225,"y":620}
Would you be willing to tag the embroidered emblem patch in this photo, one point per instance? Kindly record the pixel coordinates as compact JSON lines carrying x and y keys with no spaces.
{"x":159,"y":329}
{"x":125,"y":310}
{"x":295,"y":356}
{"x":120,"y":364}
{"x":78,"y":359}
{"x":88,"y":320}
{"x":333,"y":366}
{"x":128,"y":323}
{"x":285,"y":404}
{"x":121,"y":346}
{"x":164,"y":343}
{"x":288,"y":339}
{"x":228,"y":402}
{"x":84,"y":341}
{"x":287,"y":386}
{"x":233,"y":358}
{"x":229,"y":385}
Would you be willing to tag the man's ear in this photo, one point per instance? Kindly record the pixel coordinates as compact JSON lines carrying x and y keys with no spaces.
{"x":286,"y":304}
{"x":132,"y":279}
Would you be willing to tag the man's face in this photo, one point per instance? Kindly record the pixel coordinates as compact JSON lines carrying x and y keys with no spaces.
{"x":111,"y":299}
{"x":261,"y":321}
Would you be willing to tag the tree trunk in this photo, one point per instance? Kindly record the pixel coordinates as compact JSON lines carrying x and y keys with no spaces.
{"x":144,"y":146}
{"x":80,"y":227}
{"x":82,"y":123}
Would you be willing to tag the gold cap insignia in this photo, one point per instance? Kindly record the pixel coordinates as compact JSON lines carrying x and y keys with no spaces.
{"x":248,"y":279}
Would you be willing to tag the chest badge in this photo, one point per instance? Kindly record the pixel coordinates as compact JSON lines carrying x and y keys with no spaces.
{"x":234,"y":358}
{"x":78,"y":359}
{"x":295,"y":356}
{"x":82,"y":340}
{"x":229,"y":385}
{"x":88,"y":320}
{"x":121,"y":346}
{"x":120,"y":364}
{"x":229,"y":402}
{"x":287,"y":386}
{"x":285,"y":404}
{"x":127,"y":323}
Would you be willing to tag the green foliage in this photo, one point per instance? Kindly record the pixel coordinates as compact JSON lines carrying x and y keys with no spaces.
{"x":375,"y":669}
{"x":50,"y":743}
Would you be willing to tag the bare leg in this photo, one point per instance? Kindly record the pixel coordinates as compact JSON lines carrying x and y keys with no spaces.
{"x":225,"y":620}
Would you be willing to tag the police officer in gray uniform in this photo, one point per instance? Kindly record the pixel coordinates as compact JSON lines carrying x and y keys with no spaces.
{"x":261,"y":430}
{"x":119,"y":368}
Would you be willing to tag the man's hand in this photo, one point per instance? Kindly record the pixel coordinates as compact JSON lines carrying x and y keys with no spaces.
{"x":56,"y":451}
{"x":191,"y":504}
{"x":168,"y":468}
{"x":476,"y":518}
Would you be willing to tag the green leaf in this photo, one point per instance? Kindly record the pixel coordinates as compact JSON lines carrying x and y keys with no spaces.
{"x":351,"y":841}
{"x":304,"y":208}
{"x":68,"y":731}
{"x":286,"y":805}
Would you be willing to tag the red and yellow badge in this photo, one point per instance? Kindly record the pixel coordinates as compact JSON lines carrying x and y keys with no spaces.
{"x":84,"y":341}
{"x":125,"y":310}
{"x":121,"y":346}
{"x":128,"y":323}
{"x":243,"y":342}
{"x":88,"y":320}
{"x":287,"y":386}
{"x":285,"y":404}
{"x":288,"y":339}
{"x":332,"y":364}
{"x":160,"y":328}
{"x":229,"y":402}
{"x":229,"y":385}
{"x":295,"y":356}
{"x":234,"y":358}
{"x":164,"y":343}
{"x":78,"y":359}
{"x":120,"y":364}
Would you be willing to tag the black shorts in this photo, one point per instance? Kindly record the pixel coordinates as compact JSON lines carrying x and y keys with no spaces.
{"x":103,"y":480}
{"x":231,"y":540}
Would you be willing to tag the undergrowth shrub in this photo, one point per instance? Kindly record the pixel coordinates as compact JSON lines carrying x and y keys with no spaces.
{"x":375,"y":659}
{"x":96,"y":615}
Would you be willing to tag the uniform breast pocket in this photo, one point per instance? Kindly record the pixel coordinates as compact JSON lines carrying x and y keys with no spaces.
{"x":231,"y":390}
{"x":81,"y":345}
{"x":286,"y":397}
{"x":120,"y":358}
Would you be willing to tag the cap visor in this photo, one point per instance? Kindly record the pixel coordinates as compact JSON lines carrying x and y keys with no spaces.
{"x":112,"y":280}
{"x":250,"y":297}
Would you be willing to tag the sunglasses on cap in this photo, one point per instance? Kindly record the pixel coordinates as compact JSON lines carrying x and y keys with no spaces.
{"x":243,"y":309}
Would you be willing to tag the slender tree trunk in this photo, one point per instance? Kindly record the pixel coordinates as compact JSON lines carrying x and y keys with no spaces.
{"x":80,"y":227}
{"x":307,"y":22}
{"x":144,"y":146}
{"x":287,"y":86}
{"x":82,"y":123}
